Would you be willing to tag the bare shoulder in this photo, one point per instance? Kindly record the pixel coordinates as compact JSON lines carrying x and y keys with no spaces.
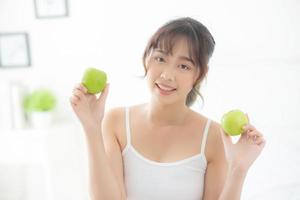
{"x":215,"y":148}
{"x":114,"y":114}
{"x":214,"y":145}
{"x":113,"y":118}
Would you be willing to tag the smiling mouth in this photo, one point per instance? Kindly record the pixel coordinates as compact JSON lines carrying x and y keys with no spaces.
{"x":165,"y":89}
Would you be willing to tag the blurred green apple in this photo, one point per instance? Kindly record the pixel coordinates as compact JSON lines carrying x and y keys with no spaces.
{"x":40,"y":100}
{"x":233,"y":121}
{"x":94,"y":80}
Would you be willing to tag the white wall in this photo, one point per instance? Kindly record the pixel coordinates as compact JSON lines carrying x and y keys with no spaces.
{"x":255,"y":66}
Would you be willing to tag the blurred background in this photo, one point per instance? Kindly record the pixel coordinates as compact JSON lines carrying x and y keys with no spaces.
{"x":45,"y":46}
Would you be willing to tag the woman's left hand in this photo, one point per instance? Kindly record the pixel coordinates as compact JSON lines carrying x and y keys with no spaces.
{"x":242,"y":154}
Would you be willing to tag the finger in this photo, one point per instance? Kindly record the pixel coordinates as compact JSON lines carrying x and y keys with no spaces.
{"x":75,"y":89}
{"x":254,"y":134}
{"x":248,"y":118}
{"x":77,"y":86}
{"x":104,"y":93}
{"x":258,"y":141}
{"x":83,"y":88}
{"x":248,"y":127}
{"x":262,"y":144}
{"x":74,"y":100}
{"x":225,"y":138}
{"x":81,"y":94}
{"x":78,"y":93}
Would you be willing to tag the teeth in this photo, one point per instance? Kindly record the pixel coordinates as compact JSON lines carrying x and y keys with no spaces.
{"x":165,"y":88}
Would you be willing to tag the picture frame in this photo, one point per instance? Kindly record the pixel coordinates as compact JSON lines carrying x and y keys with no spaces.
{"x":51,"y":8}
{"x":14,"y":50}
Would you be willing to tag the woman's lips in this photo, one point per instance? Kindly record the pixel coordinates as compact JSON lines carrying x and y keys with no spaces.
{"x":164,"y":90}
{"x":165,"y":87}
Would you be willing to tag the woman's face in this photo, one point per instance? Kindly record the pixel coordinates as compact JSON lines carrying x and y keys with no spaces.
{"x":171,"y":76}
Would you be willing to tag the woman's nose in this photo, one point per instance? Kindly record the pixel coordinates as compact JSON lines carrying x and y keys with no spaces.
{"x":168,"y":75}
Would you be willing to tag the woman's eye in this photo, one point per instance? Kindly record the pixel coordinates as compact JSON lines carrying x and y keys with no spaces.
{"x":185,"y":67}
{"x":159,"y":59}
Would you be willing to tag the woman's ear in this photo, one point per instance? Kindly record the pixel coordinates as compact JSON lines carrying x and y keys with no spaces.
{"x":147,"y":58}
{"x":146,"y":72}
{"x":147,"y":61}
{"x":197,"y":75}
{"x":197,"y":78}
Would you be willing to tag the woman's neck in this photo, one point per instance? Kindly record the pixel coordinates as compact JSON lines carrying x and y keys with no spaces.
{"x":166,"y":115}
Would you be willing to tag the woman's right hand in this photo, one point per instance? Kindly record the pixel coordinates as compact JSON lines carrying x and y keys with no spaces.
{"x":88,"y":108}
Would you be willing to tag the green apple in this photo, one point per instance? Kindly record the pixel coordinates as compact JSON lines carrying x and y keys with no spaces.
{"x":94,"y":80}
{"x":39,"y":100}
{"x":233,"y":121}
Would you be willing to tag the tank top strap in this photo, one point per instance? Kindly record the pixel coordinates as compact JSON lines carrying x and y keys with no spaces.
{"x":127,"y":124}
{"x":204,"y":138}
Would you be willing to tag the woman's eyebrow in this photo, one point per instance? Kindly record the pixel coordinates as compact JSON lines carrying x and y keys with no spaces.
{"x":186,"y":59}
{"x":160,"y":51}
{"x":180,"y":57}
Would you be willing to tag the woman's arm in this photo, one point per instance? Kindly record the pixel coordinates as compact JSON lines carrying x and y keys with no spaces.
{"x":101,"y":143}
{"x":229,"y":163}
{"x":217,"y":167}
{"x":103,"y":183}
{"x":114,"y":119}
{"x":233,"y":186}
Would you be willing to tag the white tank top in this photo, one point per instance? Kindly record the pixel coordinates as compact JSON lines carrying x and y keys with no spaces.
{"x":146,"y":179}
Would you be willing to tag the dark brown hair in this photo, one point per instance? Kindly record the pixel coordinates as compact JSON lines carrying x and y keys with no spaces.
{"x":200,"y":43}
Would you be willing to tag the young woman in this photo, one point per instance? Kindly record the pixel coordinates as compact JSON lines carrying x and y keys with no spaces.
{"x":162,"y":149}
